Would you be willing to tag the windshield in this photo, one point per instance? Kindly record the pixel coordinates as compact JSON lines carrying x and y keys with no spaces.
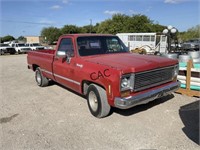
{"x":21,"y":45}
{"x":95,"y":45}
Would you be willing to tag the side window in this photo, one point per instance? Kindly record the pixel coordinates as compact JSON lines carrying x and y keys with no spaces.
{"x":66,"y":45}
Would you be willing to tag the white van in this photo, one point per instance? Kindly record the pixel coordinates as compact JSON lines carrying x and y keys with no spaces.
{"x":35,"y":46}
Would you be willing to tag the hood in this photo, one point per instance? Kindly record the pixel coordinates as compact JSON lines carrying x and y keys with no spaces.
{"x":128,"y":62}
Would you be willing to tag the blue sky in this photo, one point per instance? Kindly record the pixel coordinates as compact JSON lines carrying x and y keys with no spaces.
{"x":28,"y":17}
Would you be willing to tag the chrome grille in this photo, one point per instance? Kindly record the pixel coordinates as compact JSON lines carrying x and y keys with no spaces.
{"x":153,"y":78}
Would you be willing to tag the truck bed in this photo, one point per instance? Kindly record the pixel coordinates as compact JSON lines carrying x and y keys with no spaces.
{"x":42,"y":58}
{"x":44,"y":51}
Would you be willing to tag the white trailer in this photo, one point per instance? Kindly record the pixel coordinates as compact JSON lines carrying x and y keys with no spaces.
{"x":151,"y":42}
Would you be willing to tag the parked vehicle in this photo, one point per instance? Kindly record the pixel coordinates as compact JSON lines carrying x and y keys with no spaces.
{"x":151,"y":42}
{"x":35,"y":46}
{"x":48,"y":47}
{"x":192,"y":44}
{"x":101,"y":68}
{"x":5,"y":48}
{"x":21,"y":48}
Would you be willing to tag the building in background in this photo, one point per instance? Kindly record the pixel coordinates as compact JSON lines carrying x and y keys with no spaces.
{"x":34,"y":39}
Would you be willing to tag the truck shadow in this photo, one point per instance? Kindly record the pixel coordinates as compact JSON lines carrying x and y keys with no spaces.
{"x":189,"y":115}
{"x":144,"y":107}
{"x":125,"y":112}
{"x":52,"y":83}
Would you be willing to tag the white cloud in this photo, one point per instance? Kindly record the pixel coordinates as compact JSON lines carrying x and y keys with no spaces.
{"x":174,"y":1}
{"x":65,"y":1}
{"x":112,"y":12}
{"x":56,"y":7}
{"x":133,"y":12}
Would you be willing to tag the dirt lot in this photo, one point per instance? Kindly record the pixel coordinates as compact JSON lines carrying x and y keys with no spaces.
{"x":56,"y":118}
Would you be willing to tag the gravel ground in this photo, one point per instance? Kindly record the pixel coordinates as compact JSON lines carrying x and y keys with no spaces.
{"x":55,"y":118}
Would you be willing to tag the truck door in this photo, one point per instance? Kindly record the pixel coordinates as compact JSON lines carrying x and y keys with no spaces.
{"x":64,"y":68}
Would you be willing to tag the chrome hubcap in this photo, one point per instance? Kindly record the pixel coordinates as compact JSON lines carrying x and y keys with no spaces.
{"x":93,"y":101}
{"x":38,"y":77}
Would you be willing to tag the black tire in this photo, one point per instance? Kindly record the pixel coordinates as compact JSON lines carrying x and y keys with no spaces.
{"x":97,"y":101}
{"x":40,"y":79}
{"x":157,"y":53}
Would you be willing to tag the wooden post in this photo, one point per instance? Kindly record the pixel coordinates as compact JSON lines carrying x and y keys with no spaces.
{"x":188,"y":91}
{"x":188,"y":75}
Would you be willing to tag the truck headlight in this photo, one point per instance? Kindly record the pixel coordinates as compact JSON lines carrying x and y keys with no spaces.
{"x":127,"y":82}
{"x":176,"y":70}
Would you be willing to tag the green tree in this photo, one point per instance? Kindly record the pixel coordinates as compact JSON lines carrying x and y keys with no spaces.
{"x":158,"y":28}
{"x":191,"y":33}
{"x":21,"y":38}
{"x":117,"y":24}
{"x":120,"y":23}
{"x":7,"y":38}
{"x":88,"y":29}
{"x":139,"y":23}
{"x":50,"y":34}
{"x":68,"y":29}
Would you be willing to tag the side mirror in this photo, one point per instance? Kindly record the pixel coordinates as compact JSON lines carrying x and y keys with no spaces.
{"x":61,"y":54}
{"x":66,"y":56}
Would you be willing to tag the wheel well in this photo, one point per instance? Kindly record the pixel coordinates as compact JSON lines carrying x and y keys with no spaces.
{"x":86,"y":84}
{"x":35,"y":67}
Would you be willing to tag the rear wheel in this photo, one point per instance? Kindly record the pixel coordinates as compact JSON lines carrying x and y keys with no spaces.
{"x":97,"y":101}
{"x":40,"y":79}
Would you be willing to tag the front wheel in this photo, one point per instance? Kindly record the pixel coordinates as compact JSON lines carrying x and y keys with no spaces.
{"x":40,"y":79}
{"x":97,"y":101}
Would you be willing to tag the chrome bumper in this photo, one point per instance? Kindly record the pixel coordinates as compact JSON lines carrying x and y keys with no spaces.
{"x":128,"y":102}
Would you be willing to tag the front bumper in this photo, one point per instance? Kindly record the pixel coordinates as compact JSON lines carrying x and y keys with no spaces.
{"x":131,"y":101}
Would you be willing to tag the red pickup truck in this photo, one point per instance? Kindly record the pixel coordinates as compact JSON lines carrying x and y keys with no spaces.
{"x":101,"y":68}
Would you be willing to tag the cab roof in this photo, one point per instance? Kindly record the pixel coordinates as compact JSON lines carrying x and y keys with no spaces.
{"x":86,"y":34}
